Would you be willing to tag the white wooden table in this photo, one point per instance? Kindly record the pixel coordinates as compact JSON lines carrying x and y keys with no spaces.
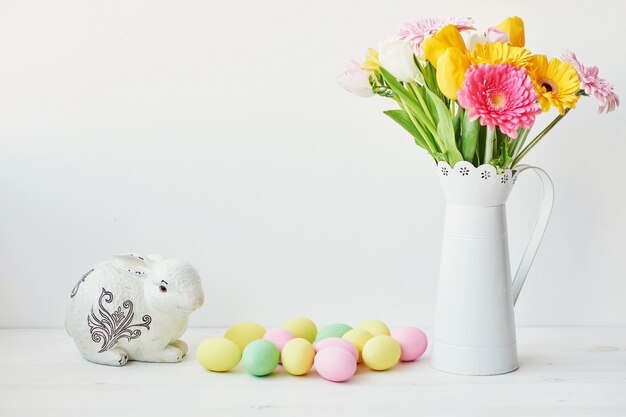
{"x":576,"y":371}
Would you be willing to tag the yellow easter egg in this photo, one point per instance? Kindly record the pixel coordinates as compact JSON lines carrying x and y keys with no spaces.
{"x":244,"y":333}
{"x":218,"y":354}
{"x":375,"y":327}
{"x":381,"y":353}
{"x":297,"y":356}
{"x":301,"y":327}
{"x":358,"y":337}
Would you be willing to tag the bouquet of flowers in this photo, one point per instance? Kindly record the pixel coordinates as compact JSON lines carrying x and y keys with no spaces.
{"x":473,"y":96}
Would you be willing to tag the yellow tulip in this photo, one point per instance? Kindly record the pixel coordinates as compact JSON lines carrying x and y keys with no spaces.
{"x":451,"y":68}
{"x":371,"y":64}
{"x":447,"y":37}
{"x":514,"y":27}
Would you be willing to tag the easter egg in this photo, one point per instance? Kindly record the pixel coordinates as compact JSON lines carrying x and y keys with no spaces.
{"x":412,"y":341}
{"x":358,"y":337}
{"x":301,"y":327}
{"x":260,"y":357}
{"x":244,"y":333}
{"x":375,"y":327}
{"x":332,"y":330}
{"x":337,"y":342}
{"x":297,"y":356}
{"x":335,"y":364}
{"x":381,"y":353}
{"x":218,"y":354}
{"x":278,"y":337}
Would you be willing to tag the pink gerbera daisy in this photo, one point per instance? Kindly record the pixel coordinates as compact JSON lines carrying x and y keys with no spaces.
{"x":500,"y":95}
{"x":418,"y":31}
{"x":593,"y":84}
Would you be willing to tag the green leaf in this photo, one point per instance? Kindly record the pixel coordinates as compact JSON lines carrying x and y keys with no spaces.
{"x":502,"y":162}
{"x":445,"y":129}
{"x":480,"y":148}
{"x":402,"y":118}
{"x":470,"y":130}
{"x":416,"y":112}
{"x":430,"y":78}
{"x":402,"y":92}
{"x":432,"y":109}
{"x":456,"y":122}
{"x":439,"y":156}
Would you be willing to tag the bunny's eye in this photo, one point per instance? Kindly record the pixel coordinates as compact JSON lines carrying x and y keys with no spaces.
{"x":163,"y":288}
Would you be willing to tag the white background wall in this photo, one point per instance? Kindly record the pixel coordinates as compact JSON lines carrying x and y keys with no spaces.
{"x":216,"y":132}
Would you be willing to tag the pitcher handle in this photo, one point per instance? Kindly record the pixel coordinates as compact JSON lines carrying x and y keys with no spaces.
{"x":538,"y":230}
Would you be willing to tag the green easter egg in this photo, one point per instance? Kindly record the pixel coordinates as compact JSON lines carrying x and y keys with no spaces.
{"x":260,"y":357}
{"x":332,"y":330}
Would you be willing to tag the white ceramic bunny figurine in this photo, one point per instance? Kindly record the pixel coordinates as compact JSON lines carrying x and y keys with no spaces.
{"x":133,"y":308}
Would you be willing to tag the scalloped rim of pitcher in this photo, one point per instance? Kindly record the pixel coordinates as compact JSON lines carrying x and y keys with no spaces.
{"x":467,"y":169}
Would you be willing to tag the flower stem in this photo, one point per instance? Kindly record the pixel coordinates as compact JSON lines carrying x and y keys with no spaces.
{"x":417,"y":93}
{"x":489,"y":145}
{"x":431,"y":147}
{"x":519,"y":142}
{"x":425,"y":117}
{"x":538,"y":138}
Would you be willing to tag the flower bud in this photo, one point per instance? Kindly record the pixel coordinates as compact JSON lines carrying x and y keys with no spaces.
{"x":356,"y":80}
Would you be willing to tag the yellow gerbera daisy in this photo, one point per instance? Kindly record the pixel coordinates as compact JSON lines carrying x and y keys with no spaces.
{"x":500,"y":53}
{"x":556,"y":83}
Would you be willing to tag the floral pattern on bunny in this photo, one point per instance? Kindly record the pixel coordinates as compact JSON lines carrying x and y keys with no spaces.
{"x":133,"y":308}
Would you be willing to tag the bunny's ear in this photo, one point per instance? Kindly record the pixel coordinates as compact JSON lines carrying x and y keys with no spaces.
{"x":137,"y":264}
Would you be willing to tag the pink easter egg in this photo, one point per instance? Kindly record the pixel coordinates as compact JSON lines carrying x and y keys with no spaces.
{"x":278,"y":337}
{"x":335,"y":364}
{"x":412,"y":341}
{"x":337,"y":342}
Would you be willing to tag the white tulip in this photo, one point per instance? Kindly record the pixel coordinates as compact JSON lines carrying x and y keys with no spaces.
{"x":397,"y":58}
{"x":476,"y":39}
{"x":356,"y":80}
{"x":496,"y":35}
{"x":493,"y":35}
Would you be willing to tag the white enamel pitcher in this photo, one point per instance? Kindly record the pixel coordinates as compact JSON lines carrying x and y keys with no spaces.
{"x":475,"y":324}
